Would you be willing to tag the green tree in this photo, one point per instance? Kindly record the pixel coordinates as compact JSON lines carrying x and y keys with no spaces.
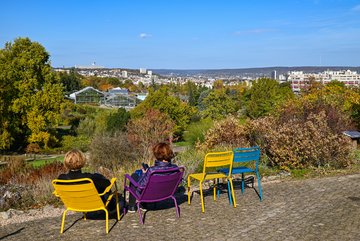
{"x":264,"y":96}
{"x":180,"y":112}
{"x":218,"y":104}
{"x":218,"y":84}
{"x":30,"y":95}
{"x":117,"y":121}
{"x":193,"y":92}
{"x":202,"y":96}
{"x":71,"y":81}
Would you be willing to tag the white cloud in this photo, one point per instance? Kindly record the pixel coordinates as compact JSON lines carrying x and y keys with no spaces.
{"x":144,"y":35}
{"x":356,"y":8}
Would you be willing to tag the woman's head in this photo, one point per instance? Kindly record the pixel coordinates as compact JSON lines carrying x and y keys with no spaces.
{"x":74,"y":160}
{"x":162,"y":151}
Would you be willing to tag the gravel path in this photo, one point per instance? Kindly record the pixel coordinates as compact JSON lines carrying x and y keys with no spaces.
{"x":313,"y":209}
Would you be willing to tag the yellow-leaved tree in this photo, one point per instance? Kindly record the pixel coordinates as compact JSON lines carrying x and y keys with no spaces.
{"x":31,"y":95}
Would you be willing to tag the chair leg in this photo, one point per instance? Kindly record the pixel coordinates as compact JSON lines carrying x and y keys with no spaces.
{"x":242,"y":182}
{"x":124,"y":208}
{"x":218,"y":188}
{"x":232,"y":192}
{"x":176,"y":206}
{"x":189,"y":198}
{"x":84,"y":216}
{"x":63,"y":221}
{"x":139,"y":211}
{"x":215,"y":189}
{"x":117,"y":206}
{"x":202,"y":198}
{"x":107,"y":220}
{"x":259,"y":184}
{"x":229,"y":192}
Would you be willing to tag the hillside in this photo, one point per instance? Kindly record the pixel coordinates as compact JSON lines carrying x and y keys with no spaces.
{"x":265,"y":71}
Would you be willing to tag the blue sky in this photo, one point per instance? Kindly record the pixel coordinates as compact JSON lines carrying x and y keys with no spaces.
{"x":188,"y":34}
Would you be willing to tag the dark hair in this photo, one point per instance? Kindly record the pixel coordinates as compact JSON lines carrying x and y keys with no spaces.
{"x":162,"y":151}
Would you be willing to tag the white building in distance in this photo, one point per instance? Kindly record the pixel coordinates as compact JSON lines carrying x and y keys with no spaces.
{"x":300,"y":80}
{"x":124,"y":74}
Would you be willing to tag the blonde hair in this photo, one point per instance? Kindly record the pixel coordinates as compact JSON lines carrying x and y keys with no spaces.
{"x":74,"y":160}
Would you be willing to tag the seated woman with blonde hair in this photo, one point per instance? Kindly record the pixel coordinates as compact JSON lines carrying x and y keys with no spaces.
{"x":75,"y":160}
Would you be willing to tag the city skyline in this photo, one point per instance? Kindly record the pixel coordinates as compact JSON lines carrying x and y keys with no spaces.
{"x":188,"y":34}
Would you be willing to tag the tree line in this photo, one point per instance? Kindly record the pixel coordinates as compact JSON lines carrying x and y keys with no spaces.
{"x":33,"y":107}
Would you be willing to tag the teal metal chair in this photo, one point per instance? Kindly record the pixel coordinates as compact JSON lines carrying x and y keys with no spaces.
{"x":241,"y":162}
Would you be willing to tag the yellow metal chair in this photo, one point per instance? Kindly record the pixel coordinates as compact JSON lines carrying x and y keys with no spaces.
{"x":213,"y":161}
{"x":80,"y":195}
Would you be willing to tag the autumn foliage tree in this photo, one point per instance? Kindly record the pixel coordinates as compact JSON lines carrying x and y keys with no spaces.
{"x":146,"y":131}
{"x":227,"y":132}
{"x":30,"y":95}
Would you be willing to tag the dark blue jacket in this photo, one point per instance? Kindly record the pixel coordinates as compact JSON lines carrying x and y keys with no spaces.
{"x":159,"y":165}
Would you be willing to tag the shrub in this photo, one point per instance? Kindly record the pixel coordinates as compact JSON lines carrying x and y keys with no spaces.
{"x":117,"y":121}
{"x":31,"y":185}
{"x":111,"y":151}
{"x":196,"y":131}
{"x":33,"y":148}
{"x":145,"y":132}
{"x":227,"y":132}
{"x":79,"y":142}
{"x":299,"y":143}
{"x":191,"y":159}
{"x":87,"y":127}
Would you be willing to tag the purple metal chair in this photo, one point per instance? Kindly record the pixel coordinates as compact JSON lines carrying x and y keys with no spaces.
{"x":162,"y":184}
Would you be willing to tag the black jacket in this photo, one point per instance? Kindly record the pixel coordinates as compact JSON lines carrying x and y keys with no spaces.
{"x":101,"y":182}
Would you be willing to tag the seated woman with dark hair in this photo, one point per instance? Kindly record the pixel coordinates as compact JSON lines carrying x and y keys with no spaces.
{"x":163,"y":154}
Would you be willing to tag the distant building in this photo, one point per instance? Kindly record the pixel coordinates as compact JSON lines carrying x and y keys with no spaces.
{"x":62,"y":70}
{"x":142,"y":71}
{"x":124,"y":74}
{"x":92,"y":66}
{"x":273,"y":74}
{"x":120,"y":98}
{"x":142,"y":96}
{"x":121,"y":101}
{"x":155,"y":78}
{"x":149,"y":73}
{"x":118,"y":91}
{"x":88,"y":95}
{"x":300,"y":80}
{"x":282,"y":78}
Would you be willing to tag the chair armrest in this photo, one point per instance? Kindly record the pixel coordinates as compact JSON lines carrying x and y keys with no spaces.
{"x":132,"y":181}
{"x":56,"y":194}
{"x":112,"y":182}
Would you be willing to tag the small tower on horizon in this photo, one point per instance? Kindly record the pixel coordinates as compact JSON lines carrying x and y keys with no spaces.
{"x":273,"y":74}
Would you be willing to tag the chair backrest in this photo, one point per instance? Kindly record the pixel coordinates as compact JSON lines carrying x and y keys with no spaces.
{"x":162,"y":184}
{"x":247,"y":154}
{"x":214,"y":160}
{"x":78,"y":194}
